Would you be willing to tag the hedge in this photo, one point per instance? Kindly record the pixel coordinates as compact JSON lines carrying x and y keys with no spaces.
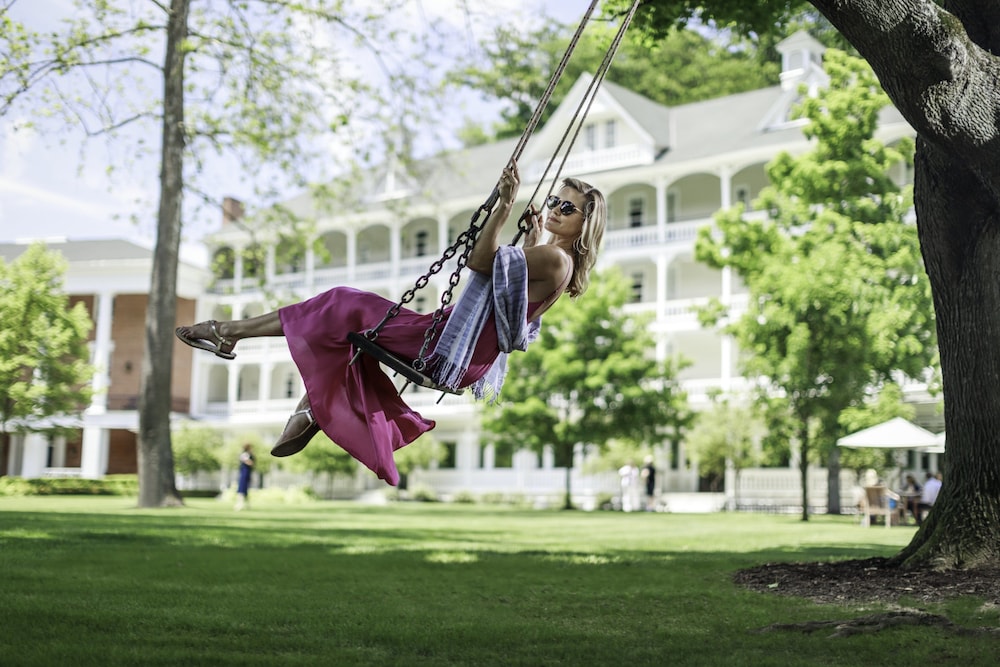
{"x":111,"y":485}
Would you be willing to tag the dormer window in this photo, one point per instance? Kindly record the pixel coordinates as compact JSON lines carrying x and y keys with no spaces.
{"x":590,"y":137}
{"x":609,"y":134}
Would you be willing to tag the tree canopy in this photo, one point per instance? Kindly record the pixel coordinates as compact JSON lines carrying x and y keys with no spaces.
{"x":838,"y":296}
{"x":44,"y":357}
{"x":671,"y":71}
{"x":938,"y":63}
{"x":264,"y":87}
{"x":588,"y":379}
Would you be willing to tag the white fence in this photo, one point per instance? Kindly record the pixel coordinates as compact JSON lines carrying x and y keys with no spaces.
{"x":754,"y":490}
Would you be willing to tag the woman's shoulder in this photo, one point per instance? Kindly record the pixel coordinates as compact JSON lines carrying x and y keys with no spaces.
{"x":547,"y":261}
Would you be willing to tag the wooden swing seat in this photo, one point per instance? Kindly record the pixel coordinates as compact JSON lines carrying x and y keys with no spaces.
{"x":400,"y":366}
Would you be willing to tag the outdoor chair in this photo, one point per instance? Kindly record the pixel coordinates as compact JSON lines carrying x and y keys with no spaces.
{"x":877,"y":502}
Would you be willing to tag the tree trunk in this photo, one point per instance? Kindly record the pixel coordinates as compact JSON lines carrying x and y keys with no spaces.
{"x":944,"y":80}
{"x":833,"y":481}
{"x":960,"y":241}
{"x":568,"y":500}
{"x":156,"y":463}
{"x":804,"y":467}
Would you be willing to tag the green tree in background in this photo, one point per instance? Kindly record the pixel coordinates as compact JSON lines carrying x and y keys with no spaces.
{"x":672,"y":71}
{"x":418,"y":455}
{"x":726,"y":434}
{"x":588,"y":379}
{"x":197,"y":449}
{"x":321,"y":457}
{"x":44,"y":369}
{"x":259,"y":85}
{"x":838,"y":296}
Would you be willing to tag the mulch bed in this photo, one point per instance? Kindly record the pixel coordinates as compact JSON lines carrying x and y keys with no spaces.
{"x":869,"y":580}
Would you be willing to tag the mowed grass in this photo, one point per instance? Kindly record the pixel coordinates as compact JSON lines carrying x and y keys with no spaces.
{"x":95,"y":581}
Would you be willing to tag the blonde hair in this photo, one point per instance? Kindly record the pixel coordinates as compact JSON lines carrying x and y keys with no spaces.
{"x":595,"y":216}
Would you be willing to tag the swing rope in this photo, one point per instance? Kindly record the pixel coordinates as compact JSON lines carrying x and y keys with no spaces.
{"x":579,"y":116}
{"x":365,"y":342}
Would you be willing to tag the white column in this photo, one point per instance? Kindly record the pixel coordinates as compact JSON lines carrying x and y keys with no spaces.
{"x":726,"y":351}
{"x":661,"y":210}
{"x":103,"y":307}
{"x":310,"y":266}
{"x":269,"y":264}
{"x":264,"y":390}
{"x":662,"y":291}
{"x":352,"y":255}
{"x":237,"y":270}
{"x":231,"y":387}
{"x":726,"y":186}
{"x":36,"y":454}
{"x":395,"y":253}
{"x":94,"y":457}
{"x":442,"y":234}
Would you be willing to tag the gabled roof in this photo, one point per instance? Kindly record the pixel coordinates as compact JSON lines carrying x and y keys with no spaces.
{"x":651,"y":116}
{"x":94,"y":250}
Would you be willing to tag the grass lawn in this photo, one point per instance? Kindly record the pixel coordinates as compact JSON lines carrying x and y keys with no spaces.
{"x":95,"y":581}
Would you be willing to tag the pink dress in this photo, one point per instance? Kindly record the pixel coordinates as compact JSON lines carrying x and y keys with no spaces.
{"x":357,"y":405}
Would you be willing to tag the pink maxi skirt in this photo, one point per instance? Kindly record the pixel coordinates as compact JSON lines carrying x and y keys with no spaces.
{"x":357,"y":405}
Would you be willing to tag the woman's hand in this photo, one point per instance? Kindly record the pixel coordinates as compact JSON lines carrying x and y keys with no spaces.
{"x":510,"y":181}
{"x":534,"y":234}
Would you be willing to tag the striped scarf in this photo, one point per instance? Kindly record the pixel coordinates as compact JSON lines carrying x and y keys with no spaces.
{"x":506,"y":297}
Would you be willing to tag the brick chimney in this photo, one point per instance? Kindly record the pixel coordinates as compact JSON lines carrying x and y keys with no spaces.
{"x":232,"y":210}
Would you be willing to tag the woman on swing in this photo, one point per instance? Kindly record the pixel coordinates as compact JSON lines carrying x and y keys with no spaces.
{"x":357,"y":405}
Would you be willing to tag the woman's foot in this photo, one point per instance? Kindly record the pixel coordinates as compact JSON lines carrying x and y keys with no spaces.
{"x":300,"y":429}
{"x":207,"y":336}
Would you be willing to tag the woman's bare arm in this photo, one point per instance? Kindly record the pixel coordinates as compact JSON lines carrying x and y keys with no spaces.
{"x":481,"y":257}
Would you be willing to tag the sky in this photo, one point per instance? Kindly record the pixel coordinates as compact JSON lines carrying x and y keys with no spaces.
{"x":54,"y":185}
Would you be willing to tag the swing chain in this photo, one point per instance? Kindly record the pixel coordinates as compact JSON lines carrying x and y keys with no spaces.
{"x":467,"y":239}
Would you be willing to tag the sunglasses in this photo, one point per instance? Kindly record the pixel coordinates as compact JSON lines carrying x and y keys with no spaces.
{"x":565,"y":207}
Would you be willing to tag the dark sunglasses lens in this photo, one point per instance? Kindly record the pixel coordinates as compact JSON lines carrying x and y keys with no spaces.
{"x":565,"y":207}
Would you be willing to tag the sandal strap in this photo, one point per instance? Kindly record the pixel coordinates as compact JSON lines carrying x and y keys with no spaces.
{"x":215,"y":332}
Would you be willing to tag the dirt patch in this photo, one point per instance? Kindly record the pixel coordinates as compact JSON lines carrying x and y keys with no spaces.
{"x":869,"y":580}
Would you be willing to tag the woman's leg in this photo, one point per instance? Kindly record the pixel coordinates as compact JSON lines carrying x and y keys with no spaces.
{"x":268,"y":324}
{"x":221,"y":337}
{"x":300,"y":429}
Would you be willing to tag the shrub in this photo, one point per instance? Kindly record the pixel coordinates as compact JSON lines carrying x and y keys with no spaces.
{"x":111,"y":485}
{"x":423,"y":493}
{"x":464,"y":497}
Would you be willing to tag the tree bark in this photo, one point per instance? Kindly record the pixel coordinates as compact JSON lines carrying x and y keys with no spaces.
{"x":938,"y":66}
{"x":804,"y":466}
{"x":156,"y":464}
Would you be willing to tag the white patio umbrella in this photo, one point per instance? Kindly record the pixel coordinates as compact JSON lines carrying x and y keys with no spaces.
{"x":937,"y":447}
{"x":897,"y":433}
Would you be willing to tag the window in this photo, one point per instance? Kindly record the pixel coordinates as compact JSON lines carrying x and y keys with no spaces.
{"x":636,"y":288}
{"x":609,"y":134}
{"x":420,"y":304}
{"x":420,"y":241}
{"x":635,"y":210}
{"x":590,"y":137}
{"x":290,"y":386}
